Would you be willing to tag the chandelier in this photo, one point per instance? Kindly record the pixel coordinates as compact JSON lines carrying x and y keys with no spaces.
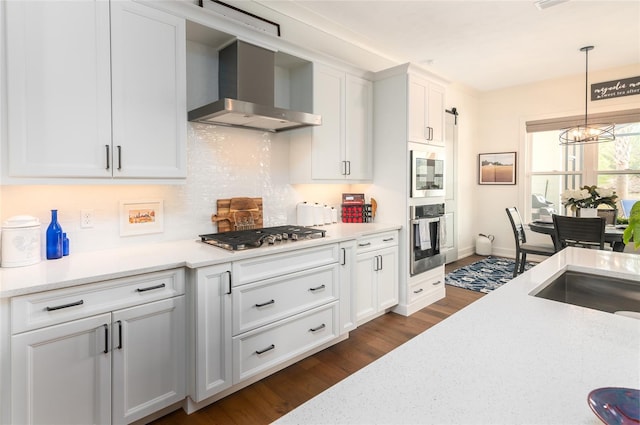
{"x":587,"y":133}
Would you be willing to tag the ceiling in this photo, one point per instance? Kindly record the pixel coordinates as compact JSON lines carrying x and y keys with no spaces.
{"x":486,"y":45}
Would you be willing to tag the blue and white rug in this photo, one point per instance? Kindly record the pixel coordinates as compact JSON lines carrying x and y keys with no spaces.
{"x":484,"y":275}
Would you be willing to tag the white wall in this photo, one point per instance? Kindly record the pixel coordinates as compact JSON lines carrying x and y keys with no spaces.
{"x":501,"y":128}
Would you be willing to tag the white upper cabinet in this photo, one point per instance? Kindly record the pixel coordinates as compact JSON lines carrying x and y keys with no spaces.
{"x":148,"y":54}
{"x":58,"y":88}
{"x":65,"y":62}
{"x":426,"y":111}
{"x":341,"y":148}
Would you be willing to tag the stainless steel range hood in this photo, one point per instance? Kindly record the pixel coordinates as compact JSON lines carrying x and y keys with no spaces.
{"x":246,"y":91}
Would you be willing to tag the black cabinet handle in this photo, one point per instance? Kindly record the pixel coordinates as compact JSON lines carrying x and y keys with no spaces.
{"x":436,"y":283}
{"x":119,"y":157}
{"x":108,"y":160}
{"x":364,"y":244}
{"x":343,"y":260}
{"x":150,"y":288}
{"x":58,"y":307}
{"x":106,"y":339}
{"x":269,"y":348}
{"x":348,"y":168}
{"x":119,"y":322}
{"x":317,"y":328}
{"x":381,"y":267}
{"x":267,"y":303}
{"x":229,"y":275}
{"x":387,"y":240}
{"x":418,"y":291}
{"x":317,"y":288}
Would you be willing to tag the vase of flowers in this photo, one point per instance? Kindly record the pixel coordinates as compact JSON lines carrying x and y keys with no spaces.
{"x":588,"y":197}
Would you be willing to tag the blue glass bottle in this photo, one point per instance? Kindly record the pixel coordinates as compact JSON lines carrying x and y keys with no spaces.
{"x":54,"y":237}
{"x":65,"y":245}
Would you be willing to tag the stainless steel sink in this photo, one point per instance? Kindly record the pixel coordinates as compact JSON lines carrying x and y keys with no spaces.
{"x":593,"y":291}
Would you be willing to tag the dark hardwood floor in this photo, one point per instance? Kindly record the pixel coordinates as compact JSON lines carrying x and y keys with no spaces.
{"x":265,"y":401}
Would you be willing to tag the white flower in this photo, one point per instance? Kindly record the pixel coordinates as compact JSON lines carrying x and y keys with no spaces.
{"x":605,"y":192}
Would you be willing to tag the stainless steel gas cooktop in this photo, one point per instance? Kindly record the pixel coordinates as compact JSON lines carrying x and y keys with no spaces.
{"x":254,"y":238}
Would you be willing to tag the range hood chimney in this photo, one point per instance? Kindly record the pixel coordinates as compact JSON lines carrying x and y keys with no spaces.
{"x":246,"y":90}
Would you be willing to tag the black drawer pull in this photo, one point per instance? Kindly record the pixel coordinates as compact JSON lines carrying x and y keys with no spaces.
{"x":436,"y":283}
{"x":265,"y":304}
{"x":418,"y":291}
{"x":364,"y":244}
{"x":317,"y":328}
{"x":317,"y":288}
{"x":269,"y":348}
{"x":150,"y":288}
{"x":387,"y":240}
{"x":58,"y":307}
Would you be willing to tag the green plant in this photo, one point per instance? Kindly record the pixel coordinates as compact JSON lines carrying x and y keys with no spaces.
{"x":633,"y":229}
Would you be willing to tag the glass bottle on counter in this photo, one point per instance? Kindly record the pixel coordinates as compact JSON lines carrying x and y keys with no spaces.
{"x":54,"y":237}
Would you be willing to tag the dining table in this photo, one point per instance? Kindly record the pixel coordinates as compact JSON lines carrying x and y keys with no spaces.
{"x":612,"y":233}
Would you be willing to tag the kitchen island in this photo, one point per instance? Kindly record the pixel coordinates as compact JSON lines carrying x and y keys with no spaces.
{"x":508,"y":358}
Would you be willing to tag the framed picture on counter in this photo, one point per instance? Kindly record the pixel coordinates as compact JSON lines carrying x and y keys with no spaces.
{"x":141,"y":217}
{"x":497,"y":168}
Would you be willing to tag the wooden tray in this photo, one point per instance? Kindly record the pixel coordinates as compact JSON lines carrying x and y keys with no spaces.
{"x":238,"y":214}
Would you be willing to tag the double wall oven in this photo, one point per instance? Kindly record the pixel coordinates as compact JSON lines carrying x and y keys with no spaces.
{"x":426,"y":235}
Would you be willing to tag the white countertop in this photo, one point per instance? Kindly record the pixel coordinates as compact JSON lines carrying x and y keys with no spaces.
{"x":508,"y":358}
{"x":88,"y":267}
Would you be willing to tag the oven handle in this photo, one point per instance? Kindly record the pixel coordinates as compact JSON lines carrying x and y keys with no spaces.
{"x":428,"y":220}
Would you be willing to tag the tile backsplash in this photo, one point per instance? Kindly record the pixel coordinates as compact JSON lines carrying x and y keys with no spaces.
{"x":222,"y":163}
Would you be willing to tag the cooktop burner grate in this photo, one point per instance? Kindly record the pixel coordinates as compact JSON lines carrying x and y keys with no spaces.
{"x":245,"y":239}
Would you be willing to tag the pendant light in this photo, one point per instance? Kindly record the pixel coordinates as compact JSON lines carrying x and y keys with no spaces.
{"x":587,"y":133}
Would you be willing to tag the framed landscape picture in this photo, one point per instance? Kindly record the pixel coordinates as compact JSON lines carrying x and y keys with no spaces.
{"x":141,"y":217}
{"x":497,"y":168}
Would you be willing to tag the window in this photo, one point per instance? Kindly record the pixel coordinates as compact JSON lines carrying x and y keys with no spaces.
{"x":553,"y":168}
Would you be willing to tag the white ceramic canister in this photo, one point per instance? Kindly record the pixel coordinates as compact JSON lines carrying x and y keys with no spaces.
{"x":327,"y":214}
{"x":20,"y":241}
{"x":304,"y":214}
{"x":318,"y":214}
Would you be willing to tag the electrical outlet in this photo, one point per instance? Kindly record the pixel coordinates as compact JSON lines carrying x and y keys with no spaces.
{"x":86,"y":219}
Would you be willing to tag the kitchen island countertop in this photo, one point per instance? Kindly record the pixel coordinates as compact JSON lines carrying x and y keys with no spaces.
{"x":508,"y":358}
{"x":88,"y":267}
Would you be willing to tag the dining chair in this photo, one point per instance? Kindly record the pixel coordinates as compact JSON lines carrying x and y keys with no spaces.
{"x":626,"y":205}
{"x":584,"y":232}
{"x":522,"y":246}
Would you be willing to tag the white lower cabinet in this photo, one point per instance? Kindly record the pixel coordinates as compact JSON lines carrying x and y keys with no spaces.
{"x":266,"y":347}
{"x":148,"y":355}
{"x":347,"y":290}
{"x":62,"y":374}
{"x":212,"y":331}
{"x":289,"y":308}
{"x":376,"y":275}
{"x":112,"y":367}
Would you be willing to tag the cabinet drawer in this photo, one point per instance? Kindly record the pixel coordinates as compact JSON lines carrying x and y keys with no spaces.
{"x":61,"y":305}
{"x":251,"y":270}
{"x":377,"y":241}
{"x":264,"y":348}
{"x":260,"y":303}
{"x":425,"y":287}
